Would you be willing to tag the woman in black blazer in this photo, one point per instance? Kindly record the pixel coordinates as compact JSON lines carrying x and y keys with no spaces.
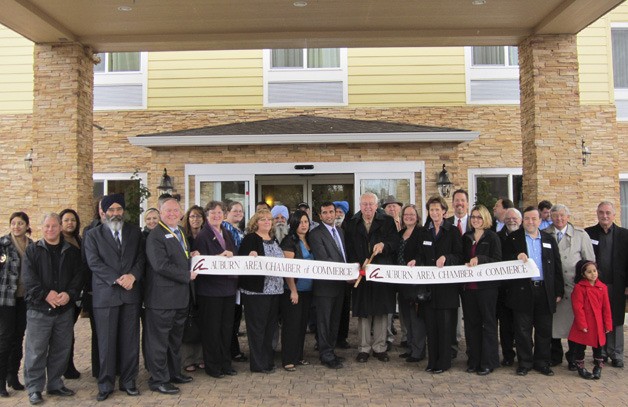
{"x":440,"y":245}
{"x":479,"y":299}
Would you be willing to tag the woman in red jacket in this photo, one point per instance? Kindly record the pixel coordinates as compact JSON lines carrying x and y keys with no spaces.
{"x":592,"y":317}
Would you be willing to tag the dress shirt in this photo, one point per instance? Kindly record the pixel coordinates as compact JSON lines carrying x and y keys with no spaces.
{"x":535,"y":252}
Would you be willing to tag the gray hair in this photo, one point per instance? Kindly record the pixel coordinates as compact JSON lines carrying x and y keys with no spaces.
{"x":371,"y":195}
{"x":52,"y":215}
{"x":515,"y":211}
{"x":606,"y":203}
{"x":560,"y":207}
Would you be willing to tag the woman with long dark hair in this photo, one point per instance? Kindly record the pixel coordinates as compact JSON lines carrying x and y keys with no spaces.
{"x":12,"y":304}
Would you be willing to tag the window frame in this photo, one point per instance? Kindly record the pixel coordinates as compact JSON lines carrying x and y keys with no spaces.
{"x":474,"y":173}
{"x":488,"y":73}
{"x":619,"y":93}
{"x":125,"y":78}
{"x":105,"y":177}
{"x":305,"y":74}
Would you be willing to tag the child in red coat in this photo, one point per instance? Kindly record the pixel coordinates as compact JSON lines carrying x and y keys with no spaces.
{"x":592,"y":317}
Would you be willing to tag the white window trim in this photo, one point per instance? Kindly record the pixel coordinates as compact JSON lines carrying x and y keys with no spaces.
{"x":487,"y":73}
{"x":620,"y":93}
{"x":121,"y":176}
{"x":247,"y":172}
{"x":623,"y":176}
{"x":126,"y":78}
{"x":473,"y":173}
{"x":287,"y":75}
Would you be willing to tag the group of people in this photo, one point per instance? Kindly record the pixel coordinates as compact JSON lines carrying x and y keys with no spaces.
{"x":124,"y":275}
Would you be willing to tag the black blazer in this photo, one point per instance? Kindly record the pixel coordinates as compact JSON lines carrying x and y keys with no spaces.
{"x":207,"y":244}
{"x":324,"y":248}
{"x":519,"y":291}
{"x":252,"y":243}
{"x":168,"y":273}
{"x":448,"y":244}
{"x":410,"y":251}
{"x":620,"y":268}
{"x":488,"y":250}
{"x":451,"y":220}
{"x":107,"y":265}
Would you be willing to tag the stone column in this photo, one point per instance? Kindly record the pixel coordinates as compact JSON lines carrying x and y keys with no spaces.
{"x":550,"y":122}
{"x":62,"y":139}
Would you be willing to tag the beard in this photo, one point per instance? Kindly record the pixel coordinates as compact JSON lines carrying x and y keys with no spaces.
{"x":114,"y":222}
{"x":512,"y":227}
{"x":338,"y":221}
{"x":281,"y":231}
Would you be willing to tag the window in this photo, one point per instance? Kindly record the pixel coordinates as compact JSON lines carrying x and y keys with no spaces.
{"x":305,"y":77}
{"x":492,"y":74}
{"x":619,"y":34}
{"x":123,"y":183}
{"x":120,"y":81}
{"x":487,"y":185}
{"x":623,"y":198}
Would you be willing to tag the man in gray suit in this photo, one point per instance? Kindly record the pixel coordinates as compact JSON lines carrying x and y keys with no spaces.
{"x":327,"y":243}
{"x":115,"y":254}
{"x":166,"y":298}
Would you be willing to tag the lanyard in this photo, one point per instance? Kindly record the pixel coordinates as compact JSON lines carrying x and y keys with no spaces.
{"x":184,"y":243}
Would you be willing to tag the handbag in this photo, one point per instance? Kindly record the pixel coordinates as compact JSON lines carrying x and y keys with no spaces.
{"x":192,"y":329}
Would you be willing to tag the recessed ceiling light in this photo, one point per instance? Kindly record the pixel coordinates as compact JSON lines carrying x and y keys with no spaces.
{"x":299,"y":3}
{"x":478,"y":2}
{"x":125,"y":8}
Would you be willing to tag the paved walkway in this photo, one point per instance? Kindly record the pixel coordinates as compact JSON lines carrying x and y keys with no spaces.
{"x":375,"y":383}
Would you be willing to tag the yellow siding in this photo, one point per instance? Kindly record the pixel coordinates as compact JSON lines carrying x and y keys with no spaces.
{"x":620,"y":14}
{"x":205,"y":79}
{"x":16,"y":73}
{"x":406,"y":76}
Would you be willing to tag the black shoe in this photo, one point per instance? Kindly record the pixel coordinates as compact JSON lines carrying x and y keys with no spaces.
{"x":3,"y":391}
{"x":131,"y":391}
{"x":230,"y":372}
{"x":438,"y":371}
{"x":166,"y":388}
{"x":63,"y":391}
{"x":71,"y":373}
{"x":484,"y":372}
{"x":343,"y":344}
{"x":429,"y":369}
{"x":545,"y":370}
{"x":388,"y":346}
{"x":181,"y":379}
{"x":35,"y":398}
{"x":522,"y":371}
{"x":215,"y":375}
{"x":617,"y":363}
{"x":585,"y":374}
{"x":413,"y":360}
{"x":507,"y":362}
{"x":362,"y":357}
{"x":381,"y":356}
{"x":554,"y":363}
{"x":339,"y":358}
{"x":572,"y":367}
{"x":103,"y":395}
{"x":471,"y":370}
{"x":13,"y":381}
{"x":333,"y":364}
{"x":265,"y":371}
{"x":597,"y":373}
{"x":405,"y":355}
{"x":240,"y":358}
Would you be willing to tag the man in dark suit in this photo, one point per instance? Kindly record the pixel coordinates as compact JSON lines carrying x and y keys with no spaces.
{"x":328,"y":244}
{"x":166,"y":298}
{"x":610,"y":244}
{"x":533,"y":300}
{"x":115,"y":254}
{"x":499,"y":212}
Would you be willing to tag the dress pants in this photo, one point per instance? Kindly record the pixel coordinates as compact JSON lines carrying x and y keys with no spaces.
{"x":12,"y":327}
{"x":480,"y":326}
{"x":48,"y":343}
{"x":540,"y":318}
{"x":379,"y":325}
{"x":294,"y":323}
{"x":614,"y":348}
{"x":415,"y":327}
{"x":262,"y":319}
{"x":328,"y":316}
{"x":557,"y":351}
{"x":237,"y":319}
{"x":345,"y":314}
{"x":440,"y":330}
{"x":506,"y":327}
{"x":88,"y":300}
{"x":164,"y":334}
{"x":118,"y":330}
{"x":216,"y":322}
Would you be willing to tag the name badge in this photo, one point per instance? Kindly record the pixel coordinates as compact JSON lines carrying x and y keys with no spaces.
{"x":547,"y":245}
{"x":595,"y":242}
{"x":169,"y":236}
{"x":427,"y":243}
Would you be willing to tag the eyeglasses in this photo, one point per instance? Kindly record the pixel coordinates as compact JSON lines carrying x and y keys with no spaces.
{"x":475,"y":217}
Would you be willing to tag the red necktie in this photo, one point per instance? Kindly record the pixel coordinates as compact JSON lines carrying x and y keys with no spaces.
{"x":460,"y":227}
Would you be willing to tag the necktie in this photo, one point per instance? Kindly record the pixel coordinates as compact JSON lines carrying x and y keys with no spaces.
{"x":177,"y":232}
{"x":460,"y":227}
{"x":559,"y":235}
{"x":116,"y":237}
{"x":334,"y":234}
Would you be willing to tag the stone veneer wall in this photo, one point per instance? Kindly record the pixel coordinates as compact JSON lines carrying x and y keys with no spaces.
{"x":499,"y":145}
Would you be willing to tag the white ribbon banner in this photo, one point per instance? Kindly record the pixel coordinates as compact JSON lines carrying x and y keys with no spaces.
{"x":505,"y":270}
{"x":274,"y":266}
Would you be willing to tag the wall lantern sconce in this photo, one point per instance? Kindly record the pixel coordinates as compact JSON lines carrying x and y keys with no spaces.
{"x":586,"y":153}
{"x":444,"y":184}
{"x":166,"y":185}
{"x":28,"y":161}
